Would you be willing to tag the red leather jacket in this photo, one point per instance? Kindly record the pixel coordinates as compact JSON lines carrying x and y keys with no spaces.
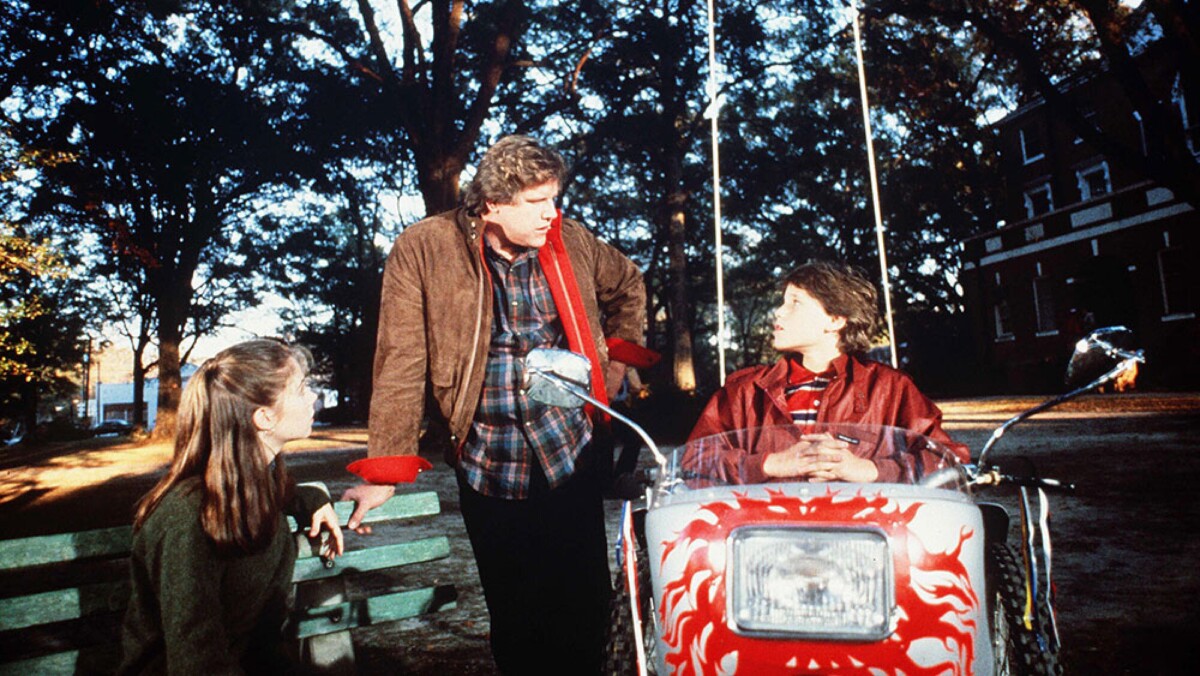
{"x":864,"y":392}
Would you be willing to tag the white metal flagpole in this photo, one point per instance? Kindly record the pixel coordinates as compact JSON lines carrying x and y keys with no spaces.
{"x":714,"y":107}
{"x":879,"y":230}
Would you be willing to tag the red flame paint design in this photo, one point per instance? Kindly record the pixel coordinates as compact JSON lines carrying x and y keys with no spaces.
{"x":933,"y":592}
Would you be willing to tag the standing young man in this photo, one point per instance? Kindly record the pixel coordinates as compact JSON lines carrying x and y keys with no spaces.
{"x":823,"y":327}
{"x":466,"y":295}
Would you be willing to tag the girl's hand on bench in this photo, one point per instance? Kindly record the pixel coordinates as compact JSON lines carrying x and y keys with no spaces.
{"x":327,"y":518}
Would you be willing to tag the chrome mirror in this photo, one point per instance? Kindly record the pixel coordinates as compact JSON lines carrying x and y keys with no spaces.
{"x":552,"y":375}
{"x":1099,"y":358}
{"x":1098,"y":352}
{"x":563,"y":378}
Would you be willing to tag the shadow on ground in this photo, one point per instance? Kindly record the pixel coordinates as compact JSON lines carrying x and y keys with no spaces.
{"x":1126,"y":543}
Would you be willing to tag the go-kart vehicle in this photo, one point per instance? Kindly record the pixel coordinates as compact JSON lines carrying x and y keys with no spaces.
{"x":724,"y":574}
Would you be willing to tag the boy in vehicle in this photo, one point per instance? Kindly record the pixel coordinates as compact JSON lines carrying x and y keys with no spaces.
{"x":823,"y":327}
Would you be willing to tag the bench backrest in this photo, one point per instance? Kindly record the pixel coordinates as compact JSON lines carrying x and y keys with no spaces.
{"x":323,"y":604}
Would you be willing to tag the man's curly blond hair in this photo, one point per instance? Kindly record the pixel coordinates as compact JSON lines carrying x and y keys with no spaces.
{"x":511,"y":165}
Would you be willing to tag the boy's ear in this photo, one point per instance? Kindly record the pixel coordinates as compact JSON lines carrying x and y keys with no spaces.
{"x":839,"y":322}
{"x":264,"y":419}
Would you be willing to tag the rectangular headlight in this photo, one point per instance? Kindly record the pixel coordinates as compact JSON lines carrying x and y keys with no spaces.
{"x":814,"y":583}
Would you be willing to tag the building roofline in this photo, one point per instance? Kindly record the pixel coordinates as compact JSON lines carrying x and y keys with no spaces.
{"x":1140,"y":51}
{"x":1074,"y":206}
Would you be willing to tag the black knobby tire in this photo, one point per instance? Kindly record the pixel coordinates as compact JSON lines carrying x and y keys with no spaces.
{"x":620,"y":653}
{"x":1018,"y":651}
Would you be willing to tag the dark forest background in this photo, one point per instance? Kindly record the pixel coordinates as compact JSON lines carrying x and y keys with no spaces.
{"x":164,"y":164}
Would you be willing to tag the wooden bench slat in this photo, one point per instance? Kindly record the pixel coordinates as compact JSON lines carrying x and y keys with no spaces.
{"x":375,"y":610}
{"x":406,"y":506}
{"x":32,"y":610}
{"x":375,"y":558}
{"x":43,"y":549}
{"x":56,"y":663}
{"x":63,"y":604}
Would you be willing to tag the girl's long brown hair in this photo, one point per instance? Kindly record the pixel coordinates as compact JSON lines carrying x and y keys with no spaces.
{"x":218,"y":441}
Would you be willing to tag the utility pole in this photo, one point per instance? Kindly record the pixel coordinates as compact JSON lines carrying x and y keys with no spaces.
{"x":99,"y":406}
{"x":87,"y":374}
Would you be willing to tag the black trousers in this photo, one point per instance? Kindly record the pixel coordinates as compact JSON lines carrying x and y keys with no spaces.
{"x":543,"y":563}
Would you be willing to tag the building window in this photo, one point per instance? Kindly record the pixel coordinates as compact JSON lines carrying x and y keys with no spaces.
{"x":1089,"y":118}
{"x":1190,"y":122}
{"x":121,"y":412}
{"x":1093,"y":181}
{"x":1141,"y":131}
{"x":1043,"y":303}
{"x":1179,"y":282}
{"x":1003,"y":320}
{"x":1033,"y":148}
{"x":1038,"y":200}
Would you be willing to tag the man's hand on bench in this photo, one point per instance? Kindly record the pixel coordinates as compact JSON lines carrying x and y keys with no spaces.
{"x":366,"y":497}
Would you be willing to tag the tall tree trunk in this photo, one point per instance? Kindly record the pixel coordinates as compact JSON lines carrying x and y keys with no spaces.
{"x":364,"y":337}
{"x":683,"y":367}
{"x":170,"y":388}
{"x":441,"y":120}
{"x":674,"y":121}
{"x":29,"y":404}
{"x":172,"y":314}
{"x":438,"y":176}
{"x":139,"y":390}
{"x":139,"y":376}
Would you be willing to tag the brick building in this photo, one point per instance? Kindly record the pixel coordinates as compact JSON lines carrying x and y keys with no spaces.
{"x":1085,"y":243}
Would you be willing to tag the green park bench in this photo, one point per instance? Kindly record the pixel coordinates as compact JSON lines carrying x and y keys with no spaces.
{"x":55,"y":620}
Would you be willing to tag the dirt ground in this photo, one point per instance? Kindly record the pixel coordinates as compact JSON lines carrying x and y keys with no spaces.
{"x":1126,"y":542}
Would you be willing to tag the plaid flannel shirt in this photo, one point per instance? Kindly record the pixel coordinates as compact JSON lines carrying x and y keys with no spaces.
{"x":511,"y":432}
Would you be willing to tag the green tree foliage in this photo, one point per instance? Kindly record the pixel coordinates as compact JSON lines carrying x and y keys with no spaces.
{"x":940,"y":181}
{"x":793,"y":159}
{"x":414,"y":91}
{"x":42,"y":308}
{"x":333,"y":269}
{"x":205,"y":152}
{"x":180,"y":117}
{"x":1046,"y":45}
{"x":40,"y":327}
{"x":21,"y":262}
{"x":435,"y":67}
{"x":642,"y":155}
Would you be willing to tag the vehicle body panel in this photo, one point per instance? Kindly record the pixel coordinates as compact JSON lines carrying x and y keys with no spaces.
{"x":935,"y":538}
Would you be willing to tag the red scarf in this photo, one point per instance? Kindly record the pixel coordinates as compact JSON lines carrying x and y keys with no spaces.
{"x":556,"y":264}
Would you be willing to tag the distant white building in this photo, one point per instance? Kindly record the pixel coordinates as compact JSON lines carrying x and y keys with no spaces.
{"x":114,"y":401}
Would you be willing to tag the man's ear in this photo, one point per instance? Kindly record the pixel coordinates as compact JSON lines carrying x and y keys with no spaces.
{"x":264,"y":419}
{"x":838,"y":322}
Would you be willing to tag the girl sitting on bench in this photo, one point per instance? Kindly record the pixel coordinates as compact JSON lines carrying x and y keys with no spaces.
{"x":212,"y":557}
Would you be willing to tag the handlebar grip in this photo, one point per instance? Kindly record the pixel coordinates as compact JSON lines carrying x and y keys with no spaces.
{"x":1036,"y":482}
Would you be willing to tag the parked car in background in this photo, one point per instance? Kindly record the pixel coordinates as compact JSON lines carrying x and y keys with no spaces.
{"x":113,"y":426}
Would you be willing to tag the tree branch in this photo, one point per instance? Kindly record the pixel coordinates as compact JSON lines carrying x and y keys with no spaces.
{"x":507,"y":34}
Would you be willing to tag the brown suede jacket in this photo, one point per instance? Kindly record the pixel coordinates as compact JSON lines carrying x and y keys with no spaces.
{"x":861,"y":392}
{"x":435,"y":326}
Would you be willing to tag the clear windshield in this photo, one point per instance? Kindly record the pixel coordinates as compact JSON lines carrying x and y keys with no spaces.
{"x":830,"y":452}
